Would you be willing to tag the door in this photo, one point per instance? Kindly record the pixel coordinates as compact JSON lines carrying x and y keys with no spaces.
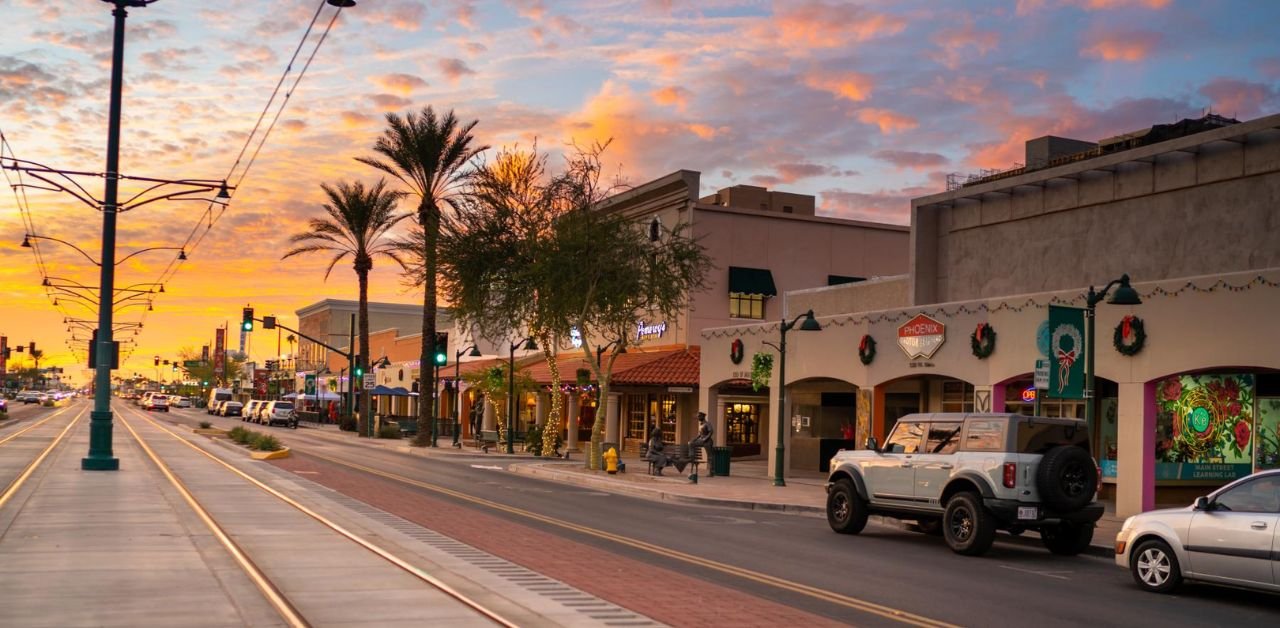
{"x":1233,"y":541}
{"x":891,"y":475}
{"x":935,"y":463}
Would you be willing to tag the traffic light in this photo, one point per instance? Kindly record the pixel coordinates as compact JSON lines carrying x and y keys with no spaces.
{"x":246,"y":323}
{"x":359,"y":371}
{"x":442,"y":349}
{"x":157,"y":361}
{"x":268,"y":322}
{"x":32,"y":348}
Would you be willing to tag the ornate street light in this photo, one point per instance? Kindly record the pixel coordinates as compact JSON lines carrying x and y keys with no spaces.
{"x":529,"y":345}
{"x":1124,"y":295}
{"x":810,"y":324}
{"x":472,"y":352}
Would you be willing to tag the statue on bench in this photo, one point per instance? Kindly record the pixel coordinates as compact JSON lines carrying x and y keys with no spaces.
{"x":705,"y":438}
{"x":656,"y":454}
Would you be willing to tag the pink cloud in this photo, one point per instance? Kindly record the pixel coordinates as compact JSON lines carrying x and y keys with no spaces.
{"x":955,"y":44}
{"x":389,"y":102}
{"x":911,"y":159}
{"x":1268,"y":67}
{"x":818,"y":24}
{"x":888,"y":121}
{"x":405,"y":15}
{"x":1240,"y":99}
{"x":853,"y":86}
{"x":1121,"y":45}
{"x":398,"y":82}
{"x":671,"y":95}
{"x":453,"y":69}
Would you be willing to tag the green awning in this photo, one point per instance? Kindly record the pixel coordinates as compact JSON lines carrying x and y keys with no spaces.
{"x":752,"y":281}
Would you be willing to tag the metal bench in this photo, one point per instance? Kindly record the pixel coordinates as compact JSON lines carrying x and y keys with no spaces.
{"x":490,"y":437}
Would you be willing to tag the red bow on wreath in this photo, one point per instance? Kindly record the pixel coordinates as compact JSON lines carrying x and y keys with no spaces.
{"x":981,"y":328}
{"x":862,"y":344}
{"x":1126,"y":327}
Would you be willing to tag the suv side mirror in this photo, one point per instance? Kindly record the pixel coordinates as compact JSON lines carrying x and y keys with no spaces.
{"x":872,"y":444}
{"x":1202,"y":503}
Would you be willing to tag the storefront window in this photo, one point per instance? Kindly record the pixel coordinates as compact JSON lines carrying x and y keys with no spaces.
{"x":635,"y":413}
{"x":957,"y":396}
{"x":746,"y":305}
{"x":742,"y":422}
{"x":1205,"y":427}
{"x":643,"y":410}
{"x":1268,"y":438}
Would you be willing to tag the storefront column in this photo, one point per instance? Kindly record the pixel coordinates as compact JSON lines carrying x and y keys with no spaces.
{"x":997,"y":398}
{"x":772,"y":442}
{"x":877,"y":414}
{"x":716,"y":415}
{"x":540,"y":410}
{"x":1135,"y":449}
{"x":983,"y":399}
{"x":611,"y":422}
{"x":574,"y":407}
{"x":490,"y":422}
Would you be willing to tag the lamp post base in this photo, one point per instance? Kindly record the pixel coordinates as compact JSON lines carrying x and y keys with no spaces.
{"x":100,"y":457}
{"x":777,"y":467}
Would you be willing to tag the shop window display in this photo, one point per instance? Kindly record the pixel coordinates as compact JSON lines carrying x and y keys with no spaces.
{"x":1205,"y":427}
{"x":1267,"y":436}
{"x":742,"y":423}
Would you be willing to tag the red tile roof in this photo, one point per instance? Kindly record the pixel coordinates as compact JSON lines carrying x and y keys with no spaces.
{"x":678,"y":366}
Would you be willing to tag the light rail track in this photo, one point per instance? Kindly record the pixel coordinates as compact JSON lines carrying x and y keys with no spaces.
{"x":21,"y":478}
{"x":269,"y":589}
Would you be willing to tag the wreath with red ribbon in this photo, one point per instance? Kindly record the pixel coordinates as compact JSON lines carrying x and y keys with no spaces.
{"x":983,"y":341}
{"x":1130,"y":335}
{"x":735,"y":351}
{"x":867,"y":349}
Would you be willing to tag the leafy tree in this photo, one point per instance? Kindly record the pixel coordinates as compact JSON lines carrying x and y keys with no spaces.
{"x":357,"y":225}
{"x":491,"y":383}
{"x":429,"y":155}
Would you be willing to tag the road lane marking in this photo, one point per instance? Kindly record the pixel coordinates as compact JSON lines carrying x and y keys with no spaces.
{"x":486,"y":466}
{"x":1047,"y":574}
{"x":669,"y":553}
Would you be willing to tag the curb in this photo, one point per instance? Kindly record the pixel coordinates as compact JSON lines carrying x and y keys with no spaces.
{"x":270,"y":455}
{"x":210,"y":432}
{"x":657,"y":494}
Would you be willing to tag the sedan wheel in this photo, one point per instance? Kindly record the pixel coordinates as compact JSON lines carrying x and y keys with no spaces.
{"x":1155,"y":567}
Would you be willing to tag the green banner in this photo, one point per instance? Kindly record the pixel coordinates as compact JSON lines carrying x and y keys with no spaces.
{"x":310,"y":386}
{"x":1066,"y":352}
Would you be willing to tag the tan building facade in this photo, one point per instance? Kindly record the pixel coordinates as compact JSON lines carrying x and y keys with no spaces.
{"x":1193,"y":221}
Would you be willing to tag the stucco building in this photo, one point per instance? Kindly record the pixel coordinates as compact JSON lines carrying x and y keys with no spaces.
{"x":1190,"y":215}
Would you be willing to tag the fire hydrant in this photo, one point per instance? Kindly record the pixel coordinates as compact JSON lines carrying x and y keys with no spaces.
{"x":611,"y":460}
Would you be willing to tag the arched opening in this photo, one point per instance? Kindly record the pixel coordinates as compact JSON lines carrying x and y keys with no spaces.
{"x":824,"y":419}
{"x":897,"y":398}
{"x":746,"y":416}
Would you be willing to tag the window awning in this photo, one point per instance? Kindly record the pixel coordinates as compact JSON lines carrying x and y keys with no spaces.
{"x":752,"y":281}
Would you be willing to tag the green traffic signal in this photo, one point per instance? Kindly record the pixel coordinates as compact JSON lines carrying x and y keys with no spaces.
{"x":441,"y":358}
{"x":359,"y":371}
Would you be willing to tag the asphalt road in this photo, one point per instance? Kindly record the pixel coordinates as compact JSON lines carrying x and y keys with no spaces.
{"x":1015,"y":584}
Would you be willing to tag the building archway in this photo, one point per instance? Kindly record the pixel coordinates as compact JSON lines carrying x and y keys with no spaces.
{"x":934,"y":392}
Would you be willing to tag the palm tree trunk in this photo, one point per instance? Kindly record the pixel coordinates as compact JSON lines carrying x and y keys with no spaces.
{"x":366,"y":400}
{"x":429,"y":218}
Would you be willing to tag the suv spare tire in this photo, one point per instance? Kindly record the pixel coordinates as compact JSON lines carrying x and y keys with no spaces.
{"x":1067,"y":478}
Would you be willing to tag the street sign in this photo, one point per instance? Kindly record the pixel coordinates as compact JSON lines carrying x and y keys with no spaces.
{"x":1042,"y":375}
{"x":370,"y":381}
{"x":192,"y":363}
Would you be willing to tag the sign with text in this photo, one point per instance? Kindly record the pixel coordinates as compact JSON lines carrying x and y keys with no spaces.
{"x":370,"y":381}
{"x":921,"y":337}
{"x":219,"y":352}
{"x":646,"y":330}
{"x":1042,"y":375}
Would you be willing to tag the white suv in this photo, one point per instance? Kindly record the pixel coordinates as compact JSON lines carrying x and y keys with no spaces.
{"x":279,"y":412}
{"x":968,"y":475}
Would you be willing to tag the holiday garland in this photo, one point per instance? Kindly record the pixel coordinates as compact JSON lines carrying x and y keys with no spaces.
{"x":735,"y":351}
{"x":983,"y":341}
{"x":867,"y":349}
{"x":1130,"y":335}
{"x":761,"y":370}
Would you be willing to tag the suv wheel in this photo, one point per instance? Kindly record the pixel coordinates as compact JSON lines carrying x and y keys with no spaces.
{"x":1067,"y":478}
{"x":1067,"y":538}
{"x":1155,"y":567}
{"x":967,"y":526}
{"x":846,"y":512}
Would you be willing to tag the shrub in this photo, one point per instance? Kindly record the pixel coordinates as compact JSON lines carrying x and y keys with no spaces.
{"x":389,"y":431}
{"x":204,"y":425}
{"x":239,"y":435}
{"x":265,"y":442}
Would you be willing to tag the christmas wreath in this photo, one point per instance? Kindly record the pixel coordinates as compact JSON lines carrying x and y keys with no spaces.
{"x":735,"y":351}
{"x":983,"y":341}
{"x":761,"y":370}
{"x":1130,"y":335}
{"x":867,"y":349}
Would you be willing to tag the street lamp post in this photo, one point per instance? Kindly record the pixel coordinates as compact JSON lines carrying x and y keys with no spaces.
{"x":529,"y":345}
{"x":472,"y":352}
{"x":1124,"y":295}
{"x":810,"y":324}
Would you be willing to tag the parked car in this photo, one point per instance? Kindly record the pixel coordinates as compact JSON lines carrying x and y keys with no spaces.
{"x":28,"y":396}
{"x":1228,"y":537}
{"x":157,"y":402}
{"x":280,"y":412}
{"x":965,"y":476}
{"x":250,"y":411}
{"x":230,"y":408}
{"x":179,"y":402}
{"x":214,"y":407}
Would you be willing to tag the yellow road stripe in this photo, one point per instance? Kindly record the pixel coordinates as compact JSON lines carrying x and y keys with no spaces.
{"x":762,"y":578}
{"x":382,"y":553}
{"x":273,"y":595}
{"x":33,"y":426}
{"x":26,"y":473}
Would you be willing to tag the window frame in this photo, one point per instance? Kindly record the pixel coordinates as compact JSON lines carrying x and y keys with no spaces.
{"x":1249,"y":485}
{"x":956,"y":437}
{"x":1001,"y":443}
{"x":738,"y":299}
{"x":888,"y":441}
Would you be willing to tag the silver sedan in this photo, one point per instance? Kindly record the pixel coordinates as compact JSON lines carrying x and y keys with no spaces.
{"x":1228,"y":537}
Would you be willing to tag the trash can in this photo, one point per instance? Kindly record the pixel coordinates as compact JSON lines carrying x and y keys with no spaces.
{"x":720,"y":460}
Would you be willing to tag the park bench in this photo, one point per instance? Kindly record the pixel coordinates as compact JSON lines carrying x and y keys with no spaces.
{"x":675,"y":453}
{"x":490,"y":437}
{"x":408,"y":426}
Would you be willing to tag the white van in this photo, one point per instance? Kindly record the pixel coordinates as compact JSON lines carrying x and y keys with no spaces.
{"x":216,"y":395}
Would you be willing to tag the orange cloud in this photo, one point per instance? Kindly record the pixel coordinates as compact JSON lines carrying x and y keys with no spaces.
{"x":1121,"y":46}
{"x":955,"y":42}
{"x":853,"y":86}
{"x":398,"y":82}
{"x":671,"y":95}
{"x":821,"y":25}
{"x":888,"y":121}
{"x":1025,"y":7}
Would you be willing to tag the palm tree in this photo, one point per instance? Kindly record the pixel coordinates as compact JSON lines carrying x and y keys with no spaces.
{"x":358,"y":225}
{"x":429,"y":155}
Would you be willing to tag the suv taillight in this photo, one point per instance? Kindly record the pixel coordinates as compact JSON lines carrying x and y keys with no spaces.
{"x":1010,"y":474}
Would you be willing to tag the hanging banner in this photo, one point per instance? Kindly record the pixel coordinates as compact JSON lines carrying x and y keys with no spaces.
{"x":1066,"y":352}
{"x":4,"y":348}
{"x":219,"y":353}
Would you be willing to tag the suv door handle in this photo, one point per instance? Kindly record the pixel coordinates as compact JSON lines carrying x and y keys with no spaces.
{"x":947,"y":466}
{"x":1258,"y":525}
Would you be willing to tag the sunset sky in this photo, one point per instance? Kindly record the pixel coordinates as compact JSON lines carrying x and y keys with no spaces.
{"x":862,"y":104}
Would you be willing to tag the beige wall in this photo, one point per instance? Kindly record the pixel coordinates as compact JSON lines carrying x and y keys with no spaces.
{"x":1196,"y":205}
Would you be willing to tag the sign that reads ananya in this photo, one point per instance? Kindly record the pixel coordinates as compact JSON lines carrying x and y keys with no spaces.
{"x":921,"y":336}
{"x":645,"y":330}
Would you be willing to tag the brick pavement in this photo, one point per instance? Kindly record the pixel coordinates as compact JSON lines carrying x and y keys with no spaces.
{"x":663,"y":594}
